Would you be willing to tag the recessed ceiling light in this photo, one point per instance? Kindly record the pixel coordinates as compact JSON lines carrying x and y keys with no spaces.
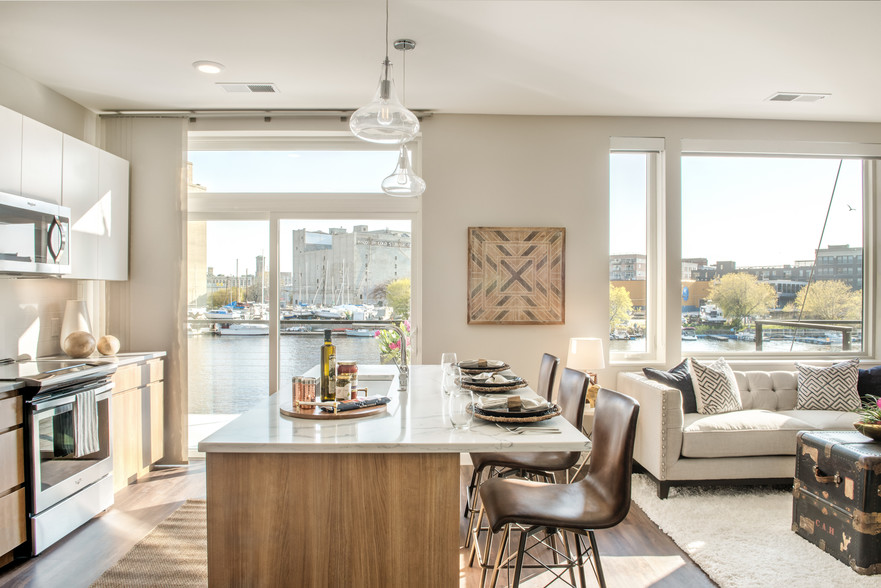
{"x":208,"y":67}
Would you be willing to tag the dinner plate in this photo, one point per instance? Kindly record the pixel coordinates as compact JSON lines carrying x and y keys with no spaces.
{"x":508,"y":412}
{"x":510,"y":381}
{"x":555,"y":410}
{"x":496,"y":389}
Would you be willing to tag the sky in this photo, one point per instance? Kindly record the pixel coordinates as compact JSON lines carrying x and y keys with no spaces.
{"x":752,"y":210}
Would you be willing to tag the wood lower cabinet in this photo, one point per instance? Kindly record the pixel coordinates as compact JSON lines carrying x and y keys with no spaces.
{"x":138,"y":406}
{"x":13,"y":530}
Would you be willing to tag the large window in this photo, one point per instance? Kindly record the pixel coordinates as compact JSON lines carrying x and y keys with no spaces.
{"x":773,"y":253}
{"x":284,"y":232}
{"x":633,"y":249}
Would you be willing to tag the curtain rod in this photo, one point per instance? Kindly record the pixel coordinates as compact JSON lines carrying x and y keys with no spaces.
{"x":292,"y":113}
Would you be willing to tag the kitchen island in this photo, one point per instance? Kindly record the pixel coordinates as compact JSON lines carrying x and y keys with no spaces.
{"x":372,"y":501}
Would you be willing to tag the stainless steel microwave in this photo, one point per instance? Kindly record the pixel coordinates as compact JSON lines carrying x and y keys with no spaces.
{"x":34,"y":236}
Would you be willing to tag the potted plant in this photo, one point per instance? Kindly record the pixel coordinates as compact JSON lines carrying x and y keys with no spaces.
{"x":870,"y":418}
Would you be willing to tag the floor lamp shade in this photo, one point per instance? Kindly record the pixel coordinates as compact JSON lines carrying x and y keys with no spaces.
{"x":76,"y":318}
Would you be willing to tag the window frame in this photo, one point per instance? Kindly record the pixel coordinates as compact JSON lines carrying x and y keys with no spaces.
{"x":870,"y":154}
{"x":275,"y":207}
{"x":654,"y":149}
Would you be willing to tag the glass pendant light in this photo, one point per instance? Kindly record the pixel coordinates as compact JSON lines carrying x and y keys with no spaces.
{"x":384,"y":119}
{"x":403,"y":182}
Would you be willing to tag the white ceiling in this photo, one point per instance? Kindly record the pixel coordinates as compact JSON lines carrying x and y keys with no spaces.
{"x":656,"y":58}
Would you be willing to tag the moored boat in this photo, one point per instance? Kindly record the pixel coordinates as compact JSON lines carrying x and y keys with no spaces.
{"x":243,"y":329}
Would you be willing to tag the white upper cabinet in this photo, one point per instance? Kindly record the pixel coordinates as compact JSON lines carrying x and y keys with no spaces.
{"x":43,"y":163}
{"x":41,"y":148}
{"x":81,"y":195}
{"x":10,"y":151}
{"x":113,"y":186}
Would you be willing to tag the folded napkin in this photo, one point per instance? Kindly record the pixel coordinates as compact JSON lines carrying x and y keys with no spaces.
{"x":492,"y":363}
{"x":529,"y":403}
{"x":490,"y":377}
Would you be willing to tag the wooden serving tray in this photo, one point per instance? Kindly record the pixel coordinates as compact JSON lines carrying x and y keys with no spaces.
{"x":315,"y":412}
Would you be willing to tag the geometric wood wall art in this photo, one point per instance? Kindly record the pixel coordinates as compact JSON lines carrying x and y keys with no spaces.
{"x":516,"y":275}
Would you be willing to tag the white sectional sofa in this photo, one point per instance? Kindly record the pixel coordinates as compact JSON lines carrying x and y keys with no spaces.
{"x":755,"y":445}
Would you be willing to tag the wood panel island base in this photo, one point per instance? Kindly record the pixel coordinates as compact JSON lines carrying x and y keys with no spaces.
{"x":370,"y":502}
{"x":349,"y":519}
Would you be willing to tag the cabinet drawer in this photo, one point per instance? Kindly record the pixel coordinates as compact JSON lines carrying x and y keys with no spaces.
{"x":11,"y":459}
{"x":126,"y":378}
{"x":138,"y":375}
{"x":156,"y":370}
{"x":10,"y":412}
{"x":12,"y":521}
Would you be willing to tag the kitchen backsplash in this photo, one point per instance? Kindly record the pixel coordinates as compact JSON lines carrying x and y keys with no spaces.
{"x":32,"y":310}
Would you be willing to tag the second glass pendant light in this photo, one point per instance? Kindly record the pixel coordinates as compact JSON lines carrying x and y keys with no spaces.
{"x":403,"y":182}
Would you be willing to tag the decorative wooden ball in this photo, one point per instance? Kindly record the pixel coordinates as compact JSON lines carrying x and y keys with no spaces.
{"x":79,"y":344}
{"x":108,"y":345}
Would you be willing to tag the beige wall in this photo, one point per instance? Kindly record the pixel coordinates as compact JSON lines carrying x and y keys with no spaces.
{"x":553,"y":171}
{"x":34,"y":100}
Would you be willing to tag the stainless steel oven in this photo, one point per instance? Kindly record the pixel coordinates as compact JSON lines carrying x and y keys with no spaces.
{"x":68,"y":443}
{"x":68,"y":486}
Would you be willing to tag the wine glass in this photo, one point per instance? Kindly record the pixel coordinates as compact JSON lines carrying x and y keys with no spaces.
{"x":452,"y":378}
{"x":460,"y":402}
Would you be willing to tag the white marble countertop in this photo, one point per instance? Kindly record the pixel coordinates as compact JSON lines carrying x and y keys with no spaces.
{"x":416,"y":422}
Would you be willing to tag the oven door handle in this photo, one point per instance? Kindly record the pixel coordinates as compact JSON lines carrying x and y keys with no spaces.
{"x":102,"y":392}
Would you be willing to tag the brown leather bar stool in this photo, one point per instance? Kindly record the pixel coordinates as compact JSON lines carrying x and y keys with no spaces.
{"x":571,"y":397}
{"x":599,"y":501}
{"x":547,"y":375}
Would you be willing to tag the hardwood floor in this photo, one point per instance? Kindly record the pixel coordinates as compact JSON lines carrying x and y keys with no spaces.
{"x":635,"y":554}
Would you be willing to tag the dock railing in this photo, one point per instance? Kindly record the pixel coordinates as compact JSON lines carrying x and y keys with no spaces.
{"x":844,"y":327}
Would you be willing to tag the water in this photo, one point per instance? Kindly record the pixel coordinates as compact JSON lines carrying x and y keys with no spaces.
{"x":228,"y":375}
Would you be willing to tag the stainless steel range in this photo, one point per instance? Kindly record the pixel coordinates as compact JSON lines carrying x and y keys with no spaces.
{"x":68,"y":441}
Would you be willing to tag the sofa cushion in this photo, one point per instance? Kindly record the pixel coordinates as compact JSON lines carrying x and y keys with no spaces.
{"x":828,"y":388}
{"x":767,"y":390}
{"x":676,"y":377}
{"x":869,"y":382}
{"x":715,"y":387}
{"x":825,"y":420}
{"x":741,"y":433}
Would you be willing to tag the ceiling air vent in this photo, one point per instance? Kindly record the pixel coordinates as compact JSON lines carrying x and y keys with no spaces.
{"x":797,"y":97}
{"x":247,"y":88}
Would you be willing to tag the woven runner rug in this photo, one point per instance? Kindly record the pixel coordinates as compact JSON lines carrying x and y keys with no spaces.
{"x":173,"y":554}
{"x":742,"y":537}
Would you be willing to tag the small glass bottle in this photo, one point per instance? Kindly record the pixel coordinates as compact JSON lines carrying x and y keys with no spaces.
{"x":328,"y":369}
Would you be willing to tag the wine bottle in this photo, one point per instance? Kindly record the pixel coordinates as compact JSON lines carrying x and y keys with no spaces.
{"x":328,"y":369}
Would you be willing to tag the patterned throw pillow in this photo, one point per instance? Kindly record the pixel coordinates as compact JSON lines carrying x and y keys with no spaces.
{"x":828,"y":388}
{"x":715,"y":387}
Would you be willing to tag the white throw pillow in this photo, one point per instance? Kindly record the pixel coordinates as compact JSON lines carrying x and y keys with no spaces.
{"x":715,"y":387}
{"x":829,"y":388}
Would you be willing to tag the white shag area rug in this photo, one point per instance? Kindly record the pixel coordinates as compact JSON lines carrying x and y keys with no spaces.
{"x":742,"y":537}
